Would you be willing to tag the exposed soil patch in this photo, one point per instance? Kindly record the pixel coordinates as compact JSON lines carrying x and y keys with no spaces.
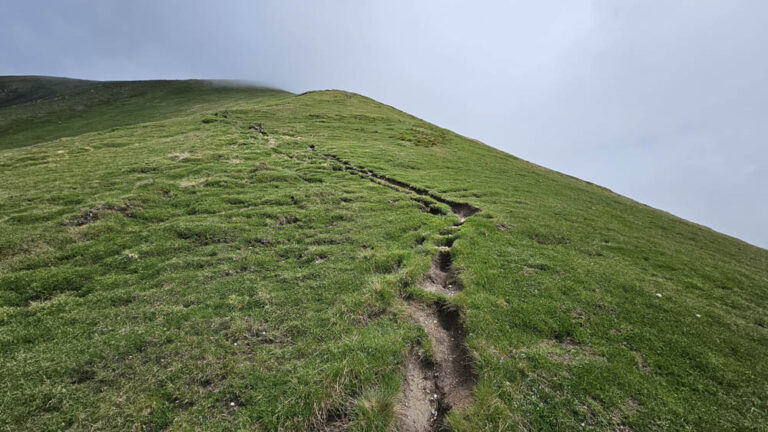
{"x":453,"y":369}
{"x":460,"y":209}
{"x":86,"y":217}
{"x":441,"y":278}
{"x":418,"y":409}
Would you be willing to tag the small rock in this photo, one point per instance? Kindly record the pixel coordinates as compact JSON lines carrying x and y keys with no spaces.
{"x":658,"y":295}
{"x":698,"y":316}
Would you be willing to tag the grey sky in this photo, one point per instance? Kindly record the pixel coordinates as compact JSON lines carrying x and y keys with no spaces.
{"x":665,"y":102}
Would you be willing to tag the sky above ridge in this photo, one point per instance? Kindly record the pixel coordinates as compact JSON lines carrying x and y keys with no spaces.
{"x":664,"y":102}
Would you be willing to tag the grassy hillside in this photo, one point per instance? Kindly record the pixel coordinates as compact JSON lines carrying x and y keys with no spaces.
{"x":15,"y":90}
{"x":348,"y":267}
{"x":37,"y":109}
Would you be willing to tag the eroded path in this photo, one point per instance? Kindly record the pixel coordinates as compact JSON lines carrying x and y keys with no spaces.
{"x":441,"y":278}
{"x":460,"y":209}
{"x":452,"y":369}
{"x":432,"y":388}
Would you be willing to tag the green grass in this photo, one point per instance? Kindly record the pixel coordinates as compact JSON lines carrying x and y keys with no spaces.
{"x":230,"y":280}
{"x":37,"y":109}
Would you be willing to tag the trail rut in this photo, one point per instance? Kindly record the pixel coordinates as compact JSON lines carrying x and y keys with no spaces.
{"x":460,"y":209}
{"x":418,"y":409}
{"x":431,"y":389}
{"x":453,"y":368}
{"x":441,"y":278}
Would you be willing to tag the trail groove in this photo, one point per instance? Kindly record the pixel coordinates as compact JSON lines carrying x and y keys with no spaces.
{"x":460,"y":209}
{"x":430,"y":390}
{"x":441,"y":278}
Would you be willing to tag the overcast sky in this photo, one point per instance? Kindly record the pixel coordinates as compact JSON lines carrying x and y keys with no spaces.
{"x":665,"y":102}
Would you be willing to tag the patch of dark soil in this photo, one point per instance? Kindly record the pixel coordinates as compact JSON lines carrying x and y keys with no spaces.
{"x":441,"y":278}
{"x":86,"y":217}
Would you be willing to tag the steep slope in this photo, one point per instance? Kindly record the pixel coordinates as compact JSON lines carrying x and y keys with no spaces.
{"x":326,"y":262}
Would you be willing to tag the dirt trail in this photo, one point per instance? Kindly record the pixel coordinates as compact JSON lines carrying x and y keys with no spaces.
{"x":460,"y":209}
{"x":453,"y":367}
{"x":418,"y":410}
{"x":430,"y":390}
{"x":441,"y":278}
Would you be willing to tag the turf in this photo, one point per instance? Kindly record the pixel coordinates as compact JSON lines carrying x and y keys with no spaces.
{"x":37,"y":109}
{"x":166,"y":266}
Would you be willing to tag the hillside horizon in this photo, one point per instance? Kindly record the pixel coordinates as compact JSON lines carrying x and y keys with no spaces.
{"x":188,"y":254}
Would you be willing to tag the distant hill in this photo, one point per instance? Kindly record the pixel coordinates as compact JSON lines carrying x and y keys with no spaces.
{"x":16,"y":90}
{"x":188,"y":255}
{"x":36,"y":109}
